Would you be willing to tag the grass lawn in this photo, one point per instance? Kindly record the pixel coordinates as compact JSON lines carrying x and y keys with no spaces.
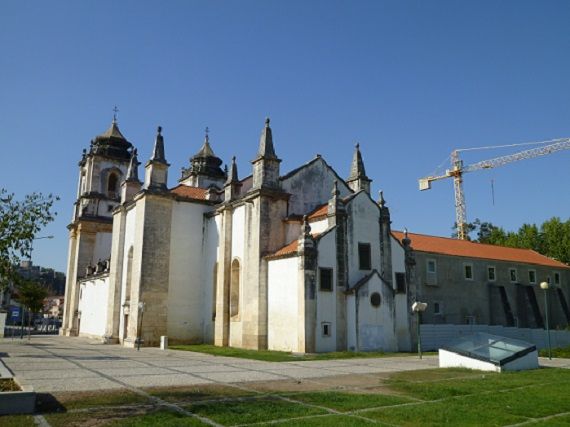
{"x":434,"y":397}
{"x":280,"y":356}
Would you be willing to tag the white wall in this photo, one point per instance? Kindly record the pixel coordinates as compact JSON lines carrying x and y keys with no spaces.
{"x":283,"y":304}
{"x":326,"y":301}
{"x":238,"y":233}
{"x":93,"y":306}
{"x":319,"y":226}
{"x":375,"y":324}
{"x":363,"y":227}
{"x":210,"y":252}
{"x":184,"y":321}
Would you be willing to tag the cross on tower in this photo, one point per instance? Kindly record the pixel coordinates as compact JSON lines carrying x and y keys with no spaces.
{"x":115,"y":111}
{"x":207,"y":130}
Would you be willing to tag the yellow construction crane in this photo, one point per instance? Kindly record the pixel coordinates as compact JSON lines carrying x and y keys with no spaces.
{"x":457,"y":170}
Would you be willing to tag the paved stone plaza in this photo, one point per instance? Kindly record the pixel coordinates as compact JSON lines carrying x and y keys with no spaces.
{"x":75,"y":364}
{"x":53,"y":364}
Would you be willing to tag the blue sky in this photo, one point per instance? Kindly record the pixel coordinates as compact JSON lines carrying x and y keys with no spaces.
{"x":409,"y":80}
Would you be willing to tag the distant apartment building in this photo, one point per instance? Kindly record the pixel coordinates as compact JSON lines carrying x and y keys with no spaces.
{"x":467,"y":282}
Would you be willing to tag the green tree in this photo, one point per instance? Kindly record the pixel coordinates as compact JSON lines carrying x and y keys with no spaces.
{"x":31,"y":295}
{"x":20,"y":221}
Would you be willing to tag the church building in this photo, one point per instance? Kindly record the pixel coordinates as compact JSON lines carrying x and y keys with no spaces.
{"x":303,"y":261}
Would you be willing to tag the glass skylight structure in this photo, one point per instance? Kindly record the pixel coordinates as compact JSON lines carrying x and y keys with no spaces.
{"x":489,"y":352}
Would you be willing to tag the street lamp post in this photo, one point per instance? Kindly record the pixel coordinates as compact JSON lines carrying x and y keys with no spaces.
{"x":37,"y":238}
{"x":544,"y":286}
{"x":419,"y":308}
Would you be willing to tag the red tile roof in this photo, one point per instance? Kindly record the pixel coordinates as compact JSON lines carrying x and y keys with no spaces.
{"x":290,"y":248}
{"x":187,"y":192}
{"x":318,"y":212}
{"x":465,"y":248}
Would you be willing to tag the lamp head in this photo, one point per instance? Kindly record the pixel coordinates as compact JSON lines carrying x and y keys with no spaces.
{"x":544,"y":285}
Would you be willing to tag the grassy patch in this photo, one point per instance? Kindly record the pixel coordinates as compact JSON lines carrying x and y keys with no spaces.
{"x":8,"y":384}
{"x":462,"y":412}
{"x":103,"y":416}
{"x":252,"y":411}
{"x":197,"y":393}
{"x":17,"y":421}
{"x":348,"y":401}
{"x":278,"y":356}
{"x":326,"y":420}
{"x":426,"y":385}
{"x":560,"y":352}
{"x":159,"y":418}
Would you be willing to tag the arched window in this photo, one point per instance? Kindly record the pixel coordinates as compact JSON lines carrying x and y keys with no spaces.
{"x":234,"y":288}
{"x":112,"y":185}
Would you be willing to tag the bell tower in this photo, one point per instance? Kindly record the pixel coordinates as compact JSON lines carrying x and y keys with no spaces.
{"x":102,"y":169}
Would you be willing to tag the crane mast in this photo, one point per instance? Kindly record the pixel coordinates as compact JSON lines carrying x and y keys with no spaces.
{"x":457,"y":170}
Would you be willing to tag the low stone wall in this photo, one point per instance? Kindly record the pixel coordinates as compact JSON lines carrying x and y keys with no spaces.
{"x":435,"y":336}
{"x":16,"y":402}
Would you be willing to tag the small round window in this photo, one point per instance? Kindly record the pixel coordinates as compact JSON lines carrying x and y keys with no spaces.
{"x":375,"y":299}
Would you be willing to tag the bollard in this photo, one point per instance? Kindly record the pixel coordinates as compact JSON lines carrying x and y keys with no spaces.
{"x":164,"y":342}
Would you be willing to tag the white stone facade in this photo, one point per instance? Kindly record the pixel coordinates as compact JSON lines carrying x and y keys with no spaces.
{"x":303,"y":262}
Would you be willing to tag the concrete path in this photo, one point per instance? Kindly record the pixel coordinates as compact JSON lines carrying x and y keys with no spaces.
{"x":53,"y":363}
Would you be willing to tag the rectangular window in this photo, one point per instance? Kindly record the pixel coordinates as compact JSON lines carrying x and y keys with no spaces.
{"x":470,"y":320}
{"x":400,"y":283}
{"x":364,"y":258}
{"x":431,"y":266}
{"x":468,"y":271}
{"x":531,"y":276}
{"x":491,"y":274}
{"x":437,"y":309}
{"x":513,"y":274}
{"x":556,"y":278}
{"x":326,"y":279}
{"x":326,"y":327}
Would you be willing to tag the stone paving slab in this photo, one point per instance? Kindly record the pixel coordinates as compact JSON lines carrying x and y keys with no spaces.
{"x":206,"y":368}
{"x":161,"y":380}
{"x":53,"y":363}
{"x":241,"y":376}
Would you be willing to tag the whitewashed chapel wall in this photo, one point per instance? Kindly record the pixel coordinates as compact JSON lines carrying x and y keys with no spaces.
{"x":93,"y":306}
{"x":283,"y":304}
{"x":185,"y":321}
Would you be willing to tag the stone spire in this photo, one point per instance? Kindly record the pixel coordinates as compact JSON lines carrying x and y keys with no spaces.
{"x":266,"y":149}
{"x":131,"y":185}
{"x":232,"y":185}
{"x":156,"y":169}
{"x":158,"y":151}
{"x":335,"y":205}
{"x":133,"y":170}
{"x":233,"y":173}
{"x":358,"y":180}
{"x":266,"y":164}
